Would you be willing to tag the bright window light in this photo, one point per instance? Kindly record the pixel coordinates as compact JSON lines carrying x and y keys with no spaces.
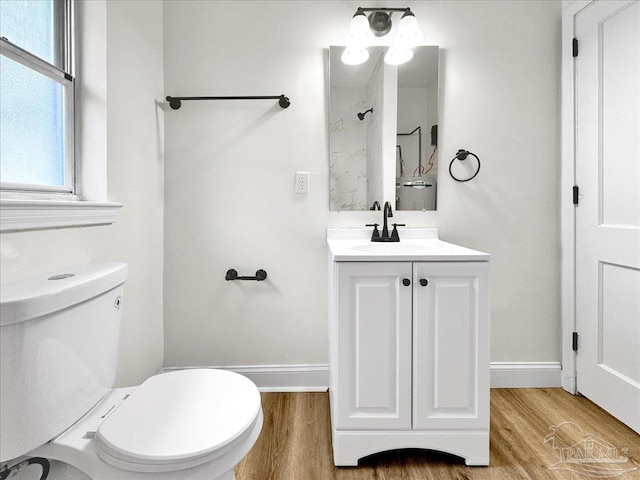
{"x":36,"y":97}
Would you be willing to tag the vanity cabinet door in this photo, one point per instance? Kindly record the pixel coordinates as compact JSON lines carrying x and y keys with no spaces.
{"x":451,"y":346}
{"x":374,"y":345}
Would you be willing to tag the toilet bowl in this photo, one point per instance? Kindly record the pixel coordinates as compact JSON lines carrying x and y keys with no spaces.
{"x":58,"y":350}
{"x":184,"y":424}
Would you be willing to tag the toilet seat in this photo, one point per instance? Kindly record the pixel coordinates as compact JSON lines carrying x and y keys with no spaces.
{"x":178,"y":420}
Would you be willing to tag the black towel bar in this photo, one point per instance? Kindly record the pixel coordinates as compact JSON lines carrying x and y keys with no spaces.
{"x":233,"y":275}
{"x":176,"y":102}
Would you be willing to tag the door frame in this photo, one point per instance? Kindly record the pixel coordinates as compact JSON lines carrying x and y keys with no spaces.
{"x":567,"y":209}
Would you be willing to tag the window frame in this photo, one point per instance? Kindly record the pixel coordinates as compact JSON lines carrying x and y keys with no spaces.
{"x":37,"y":207}
{"x":63,"y":76}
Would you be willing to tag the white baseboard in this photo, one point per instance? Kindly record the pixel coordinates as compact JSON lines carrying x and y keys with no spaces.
{"x":315,"y":378}
{"x":281,"y":378}
{"x":526,"y":374}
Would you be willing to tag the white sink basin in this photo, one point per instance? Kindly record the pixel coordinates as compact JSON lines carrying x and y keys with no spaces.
{"x":393,"y":248}
{"x":416,"y":244}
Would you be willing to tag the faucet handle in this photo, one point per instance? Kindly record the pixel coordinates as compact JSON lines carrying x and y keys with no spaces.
{"x":394,"y":232}
{"x":376,"y":233}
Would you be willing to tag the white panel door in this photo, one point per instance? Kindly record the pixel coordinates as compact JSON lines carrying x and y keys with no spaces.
{"x":451,"y":346}
{"x":374,"y":346}
{"x":607,"y":96}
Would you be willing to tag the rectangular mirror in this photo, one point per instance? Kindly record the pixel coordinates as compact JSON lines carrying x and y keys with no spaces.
{"x":383,"y":131}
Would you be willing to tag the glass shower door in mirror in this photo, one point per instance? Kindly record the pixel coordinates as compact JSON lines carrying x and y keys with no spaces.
{"x":417,"y":136}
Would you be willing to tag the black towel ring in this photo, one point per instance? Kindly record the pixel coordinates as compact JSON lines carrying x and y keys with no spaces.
{"x":462,"y":155}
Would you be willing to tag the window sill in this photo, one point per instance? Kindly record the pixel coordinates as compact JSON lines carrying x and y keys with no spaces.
{"x":17,"y":215}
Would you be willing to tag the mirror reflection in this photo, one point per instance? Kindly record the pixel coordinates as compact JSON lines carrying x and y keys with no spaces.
{"x":382,"y":131}
{"x":417,"y":134}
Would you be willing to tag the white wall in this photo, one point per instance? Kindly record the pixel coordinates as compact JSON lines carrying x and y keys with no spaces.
{"x":230,"y":172}
{"x":134,"y":141}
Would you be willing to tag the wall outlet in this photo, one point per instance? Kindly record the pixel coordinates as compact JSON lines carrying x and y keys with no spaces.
{"x":302,"y":182}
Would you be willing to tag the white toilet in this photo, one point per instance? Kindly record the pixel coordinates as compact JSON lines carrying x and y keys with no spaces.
{"x":59,"y":343}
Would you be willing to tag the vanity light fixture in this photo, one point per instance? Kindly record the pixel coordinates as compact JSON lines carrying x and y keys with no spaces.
{"x":363,"y":32}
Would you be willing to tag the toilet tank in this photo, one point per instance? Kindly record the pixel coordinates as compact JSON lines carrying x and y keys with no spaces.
{"x":58,"y":351}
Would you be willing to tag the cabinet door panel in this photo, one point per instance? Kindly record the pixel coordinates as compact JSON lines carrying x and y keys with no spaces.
{"x":374,"y":346}
{"x":451,"y":351}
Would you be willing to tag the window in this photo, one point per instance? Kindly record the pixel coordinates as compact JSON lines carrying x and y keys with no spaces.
{"x":37,"y":100}
{"x":43,"y":182}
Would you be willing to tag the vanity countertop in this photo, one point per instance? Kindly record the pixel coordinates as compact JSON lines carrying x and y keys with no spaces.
{"x":416,"y":244}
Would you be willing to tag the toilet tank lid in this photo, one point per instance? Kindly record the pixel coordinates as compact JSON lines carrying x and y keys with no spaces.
{"x":44,"y":294}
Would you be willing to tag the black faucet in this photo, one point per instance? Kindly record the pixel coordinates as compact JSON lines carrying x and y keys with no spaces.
{"x":385,"y":237}
{"x":386,"y":213}
{"x":375,"y":206}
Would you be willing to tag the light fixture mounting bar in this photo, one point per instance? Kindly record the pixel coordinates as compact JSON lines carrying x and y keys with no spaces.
{"x":176,"y":102}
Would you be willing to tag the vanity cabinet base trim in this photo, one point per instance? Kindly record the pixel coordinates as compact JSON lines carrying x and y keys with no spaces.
{"x":351,"y":446}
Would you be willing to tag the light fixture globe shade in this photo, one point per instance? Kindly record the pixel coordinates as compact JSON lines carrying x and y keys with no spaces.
{"x":360,"y":35}
{"x":409,"y":34}
{"x":398,"y":56}
{"x":354,"y":56}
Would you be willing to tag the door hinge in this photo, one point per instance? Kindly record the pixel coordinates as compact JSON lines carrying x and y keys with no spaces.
{"x":574,"y":342}
{"x":576,"y":192}
{"x":575,"y":47}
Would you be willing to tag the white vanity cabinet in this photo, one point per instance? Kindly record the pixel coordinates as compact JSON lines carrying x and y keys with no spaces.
{"x":451,"y":346}
{"x":409,"y":359}
{"x":373,"y":340}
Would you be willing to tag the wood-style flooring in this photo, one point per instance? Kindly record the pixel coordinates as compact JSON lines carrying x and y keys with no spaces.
{"x":295,"y":443}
